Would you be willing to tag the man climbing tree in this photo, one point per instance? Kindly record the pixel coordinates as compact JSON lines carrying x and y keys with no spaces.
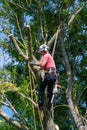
{"x":48,"y":79}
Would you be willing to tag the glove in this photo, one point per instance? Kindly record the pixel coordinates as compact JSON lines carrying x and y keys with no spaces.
{"x":32,"y":63}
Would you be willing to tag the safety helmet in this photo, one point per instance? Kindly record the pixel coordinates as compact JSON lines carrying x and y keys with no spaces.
{"x":43,"y":47}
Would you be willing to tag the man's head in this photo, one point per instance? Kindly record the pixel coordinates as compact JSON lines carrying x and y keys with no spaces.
{"x":44,"y":48}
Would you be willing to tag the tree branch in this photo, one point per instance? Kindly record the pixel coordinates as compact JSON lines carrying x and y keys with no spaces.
{"x":74,"y":15}
{"x":29,"y":99}
{"x":10,"y":120}
{"x":26,"y":58}
{"x":29,"y":41}
{"x":73,"y":108}
{"x":50,"y":42}
{"x":15,"y":4}
{"x":13,"y":122}
{"x":18,"y":24}
{"x":13,"y":109}
{"x":83,"y":92}
{"x":18,"y":48}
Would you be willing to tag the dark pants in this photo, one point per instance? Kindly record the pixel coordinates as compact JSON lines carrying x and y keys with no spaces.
{"x":49,"y":81}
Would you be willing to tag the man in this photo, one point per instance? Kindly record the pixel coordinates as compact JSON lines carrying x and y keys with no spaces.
{"x":48,"y":65}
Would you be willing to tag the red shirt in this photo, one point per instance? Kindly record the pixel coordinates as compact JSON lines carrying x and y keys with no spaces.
{"x":49,"y":61}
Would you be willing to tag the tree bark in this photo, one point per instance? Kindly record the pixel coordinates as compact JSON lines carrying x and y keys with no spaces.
{"x":48,"y":123}
{"x":77,"y":117}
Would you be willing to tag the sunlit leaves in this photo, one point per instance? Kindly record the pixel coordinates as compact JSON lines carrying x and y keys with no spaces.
{"x":5,"y":87}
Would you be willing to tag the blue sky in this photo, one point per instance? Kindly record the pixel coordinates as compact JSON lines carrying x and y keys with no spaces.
{"x":7,"y":110}
{"x":1,"y":58}
{"x":4,"y":58}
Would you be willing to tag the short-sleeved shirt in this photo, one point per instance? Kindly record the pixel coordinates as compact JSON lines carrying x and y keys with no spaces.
{"x":49,"y":61}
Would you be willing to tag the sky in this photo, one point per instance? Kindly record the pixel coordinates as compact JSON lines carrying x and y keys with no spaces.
{"x":2,"y":36}
{"x":7,"y":110}
{"x":4,"y":58}
{"x":1,"y":59}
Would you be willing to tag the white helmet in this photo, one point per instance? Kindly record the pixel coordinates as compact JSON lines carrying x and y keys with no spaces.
{"x":43,"y":47}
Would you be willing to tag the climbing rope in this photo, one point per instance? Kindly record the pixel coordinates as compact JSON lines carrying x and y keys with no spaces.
{"x":55,"y":44}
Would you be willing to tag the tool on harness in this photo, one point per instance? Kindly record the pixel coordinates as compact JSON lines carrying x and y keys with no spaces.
{"x":56,"y":91}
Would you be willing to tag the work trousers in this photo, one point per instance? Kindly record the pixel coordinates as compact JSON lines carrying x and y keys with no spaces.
{"x":49,"y":81}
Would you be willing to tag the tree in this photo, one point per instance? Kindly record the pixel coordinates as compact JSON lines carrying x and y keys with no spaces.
{"x":63,"y":31}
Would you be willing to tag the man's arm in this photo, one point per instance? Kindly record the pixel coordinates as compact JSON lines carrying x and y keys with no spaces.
{"x":38,"y":63}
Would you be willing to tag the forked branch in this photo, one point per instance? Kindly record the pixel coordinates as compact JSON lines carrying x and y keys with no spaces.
{"x":26,"y":58}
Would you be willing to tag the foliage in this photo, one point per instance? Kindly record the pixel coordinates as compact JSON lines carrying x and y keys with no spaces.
{"x":5,"y":126}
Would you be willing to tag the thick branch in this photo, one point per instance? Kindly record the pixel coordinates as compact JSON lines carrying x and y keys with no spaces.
{"x":26,"y":58}
{"x":75,"y":113}
{"x":18,"y":48}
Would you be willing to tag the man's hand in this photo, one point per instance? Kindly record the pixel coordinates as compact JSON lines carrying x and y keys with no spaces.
{"x":38,"y":63}
{"x":32,"y":63}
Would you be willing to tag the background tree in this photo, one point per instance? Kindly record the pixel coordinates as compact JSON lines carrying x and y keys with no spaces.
{"x":30,"y":24}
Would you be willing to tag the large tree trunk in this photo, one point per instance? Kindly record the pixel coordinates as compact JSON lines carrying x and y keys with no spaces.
{"x":48,"y":123}
{"x":75,"y":113}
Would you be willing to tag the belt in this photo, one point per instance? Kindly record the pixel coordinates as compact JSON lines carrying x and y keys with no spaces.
{"x":51,"y":71}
